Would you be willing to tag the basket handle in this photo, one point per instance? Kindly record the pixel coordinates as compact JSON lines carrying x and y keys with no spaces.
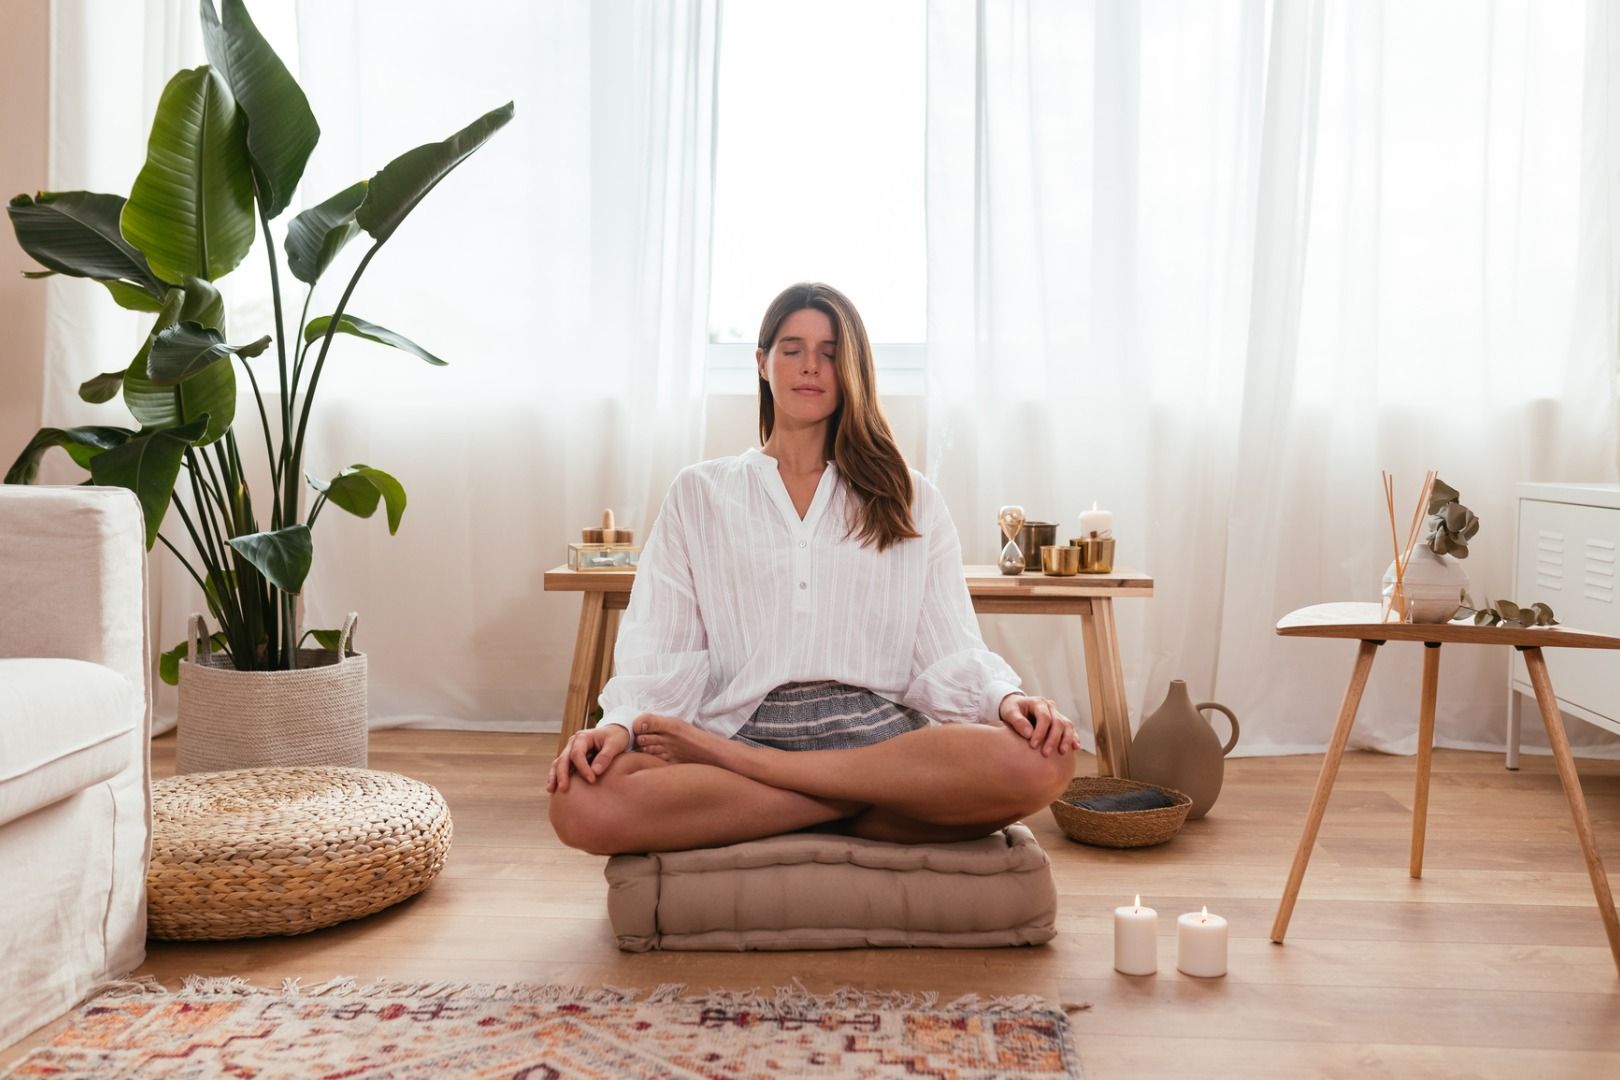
{"x":1227,"y":749}
{"x":346,"y":634}
{"x":197,"y":635}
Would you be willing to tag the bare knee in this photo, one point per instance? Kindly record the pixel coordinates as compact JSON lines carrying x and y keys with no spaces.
{"x":1031,"y":779}
{"x":599,"y":818}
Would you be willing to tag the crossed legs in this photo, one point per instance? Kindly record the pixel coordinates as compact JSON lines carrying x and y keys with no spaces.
{"x":689,"y":788}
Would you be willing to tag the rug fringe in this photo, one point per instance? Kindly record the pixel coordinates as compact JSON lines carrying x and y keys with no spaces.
{"x":128,"y":986}
{"x":348,"y":986}
{"x":786,"y":1000}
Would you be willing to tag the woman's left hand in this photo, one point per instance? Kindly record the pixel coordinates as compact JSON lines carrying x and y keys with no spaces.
{"x":1038,"y":720}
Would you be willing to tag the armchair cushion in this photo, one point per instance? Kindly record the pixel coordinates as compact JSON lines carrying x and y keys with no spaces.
{"x":67,"y":724}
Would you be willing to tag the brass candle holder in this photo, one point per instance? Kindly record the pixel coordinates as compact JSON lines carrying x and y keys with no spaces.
{"x":1060,"y":560}
{"x":1096,"y":553}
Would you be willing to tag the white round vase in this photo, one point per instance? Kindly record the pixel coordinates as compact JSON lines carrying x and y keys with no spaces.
{"x":1435,"y":586}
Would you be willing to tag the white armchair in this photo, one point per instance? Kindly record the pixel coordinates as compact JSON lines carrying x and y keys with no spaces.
{"x":75,"y":725}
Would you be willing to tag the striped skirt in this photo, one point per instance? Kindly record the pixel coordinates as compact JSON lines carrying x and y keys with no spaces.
{"x":826,"y":716}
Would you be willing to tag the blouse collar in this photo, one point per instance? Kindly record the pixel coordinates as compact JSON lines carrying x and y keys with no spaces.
{"x":761,"y":460}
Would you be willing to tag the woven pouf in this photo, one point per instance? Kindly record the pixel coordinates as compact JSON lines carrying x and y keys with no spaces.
{"x":255,"y":852}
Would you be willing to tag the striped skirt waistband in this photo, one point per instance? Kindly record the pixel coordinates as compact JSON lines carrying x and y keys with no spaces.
{"x":826,"y":716}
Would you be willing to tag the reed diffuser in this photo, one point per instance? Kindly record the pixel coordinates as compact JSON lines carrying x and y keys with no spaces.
{"x":1397,"y":605}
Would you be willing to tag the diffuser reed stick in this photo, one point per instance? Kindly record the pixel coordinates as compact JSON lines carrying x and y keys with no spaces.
{"x":1394,"y":540}
{"x":1403,"y":553}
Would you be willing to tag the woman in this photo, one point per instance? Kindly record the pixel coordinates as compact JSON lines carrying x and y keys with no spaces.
{"x":800,"y":648}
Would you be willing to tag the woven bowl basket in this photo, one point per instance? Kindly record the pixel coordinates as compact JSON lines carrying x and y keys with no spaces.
{"x":1118,"y":828}
{"x":255,"y":852}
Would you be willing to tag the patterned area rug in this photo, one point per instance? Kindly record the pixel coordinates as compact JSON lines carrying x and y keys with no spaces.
{"x":225,"y":1027}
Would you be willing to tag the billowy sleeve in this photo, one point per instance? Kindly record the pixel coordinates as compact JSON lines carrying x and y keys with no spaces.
{"x":661,"y":661}
{"x":954,"y":678}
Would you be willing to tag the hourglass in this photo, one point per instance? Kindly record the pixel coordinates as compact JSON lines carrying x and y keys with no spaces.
{"x":1011,"y":519}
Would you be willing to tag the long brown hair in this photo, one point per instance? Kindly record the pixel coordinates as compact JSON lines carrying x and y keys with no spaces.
{"x":859,"y":440}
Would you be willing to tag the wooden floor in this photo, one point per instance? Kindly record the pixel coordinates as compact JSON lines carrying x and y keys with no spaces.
{"x":1493,"y":965}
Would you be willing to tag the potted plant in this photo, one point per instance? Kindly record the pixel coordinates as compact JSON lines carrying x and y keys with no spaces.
{"x":227,"y":148}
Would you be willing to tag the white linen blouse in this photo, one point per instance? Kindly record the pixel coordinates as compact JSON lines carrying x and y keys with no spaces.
{"x":735,"y":595}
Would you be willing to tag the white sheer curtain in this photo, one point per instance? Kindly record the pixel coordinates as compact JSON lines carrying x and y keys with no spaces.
{"x":562,"y":272}
{"x":1216,"y":264}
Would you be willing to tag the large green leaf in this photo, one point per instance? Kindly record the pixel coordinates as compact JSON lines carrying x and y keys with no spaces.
{"x":100,"y":388}
{"x":203,"y":305}
{"x":407,"y":179}
{"x":328,"y":639}
{"x":315,"y":236}
{"x":283,"y":556}
{"x":181,"y":351}
{"x":148,"y":465}
{"x":358,"y":489}
{"x":169,"y":662}
{"x":281,"y":131}
{"x":211,"y":392}
{"x":352,"y":324}
{"x":81,"y":443}
{"x":132,"y":297}
{"x":191,"y":210}
{"x":76,"y":232}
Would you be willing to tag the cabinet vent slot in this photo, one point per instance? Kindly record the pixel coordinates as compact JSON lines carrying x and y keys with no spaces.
{"x":1599,"y":577}
{"x":1550,"y":560}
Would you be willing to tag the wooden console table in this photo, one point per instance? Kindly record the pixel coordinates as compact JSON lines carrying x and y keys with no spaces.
{"x":1091,"y":596}
{"x":1360,"y":622}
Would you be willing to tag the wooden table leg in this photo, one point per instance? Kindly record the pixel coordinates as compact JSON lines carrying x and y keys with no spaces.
{"x":1324,"y":785}
{"x":587,"y":649}
{"x":603,"y":668}
{"x":1118,"y":721}
{"x":1559,"y":741}
{"x":1105,"y":685}
{"x":1105,"y":682}
{"x":1091,"y":653}
{"x":1425,"y":752}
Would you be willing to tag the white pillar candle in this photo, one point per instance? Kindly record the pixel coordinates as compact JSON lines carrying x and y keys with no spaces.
{"x":1096,"y":521}
{"x":1136,"y":939}
{"x":1201,"y":944}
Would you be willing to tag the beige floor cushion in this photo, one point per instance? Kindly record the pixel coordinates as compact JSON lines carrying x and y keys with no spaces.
{"x":824,"y":891}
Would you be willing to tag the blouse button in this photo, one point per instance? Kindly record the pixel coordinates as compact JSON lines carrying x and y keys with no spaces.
{"x":804,"y":585}
{"x":804,"y":543}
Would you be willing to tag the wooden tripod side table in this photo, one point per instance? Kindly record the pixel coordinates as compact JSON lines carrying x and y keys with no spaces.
{"x":1361,"y":622}
{"x":606,"y":593}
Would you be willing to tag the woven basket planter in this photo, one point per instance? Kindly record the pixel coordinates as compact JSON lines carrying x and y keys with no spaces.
{"x":313,"y":715}
{"x":257,"y":852}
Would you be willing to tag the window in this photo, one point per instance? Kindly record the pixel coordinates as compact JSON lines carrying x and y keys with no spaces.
{"x":819,"y":174}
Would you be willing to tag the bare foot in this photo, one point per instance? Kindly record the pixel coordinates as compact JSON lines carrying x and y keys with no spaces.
{"x":680,"y":743}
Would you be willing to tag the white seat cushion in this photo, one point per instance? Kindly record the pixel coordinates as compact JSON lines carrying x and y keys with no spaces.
{"x":64,"y":725}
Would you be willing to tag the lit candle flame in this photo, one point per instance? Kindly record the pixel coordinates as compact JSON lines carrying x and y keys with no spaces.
{"x":1138,"y":902}
{"x":1203,"y":916}
{"x":1094,"y":504}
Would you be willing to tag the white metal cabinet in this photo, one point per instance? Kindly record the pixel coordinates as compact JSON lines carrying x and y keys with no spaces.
{"x":1568,"y":554}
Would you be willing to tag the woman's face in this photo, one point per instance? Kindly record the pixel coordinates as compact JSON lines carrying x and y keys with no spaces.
{"x":801,"y":368}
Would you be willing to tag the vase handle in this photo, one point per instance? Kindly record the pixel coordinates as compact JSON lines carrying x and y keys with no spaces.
{"x":345,"y":635}
{"x":197,"y":638}
{"x":1230,"y":715}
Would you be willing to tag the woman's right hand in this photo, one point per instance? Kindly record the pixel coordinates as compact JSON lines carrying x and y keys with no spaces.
{"x":589,"y":753}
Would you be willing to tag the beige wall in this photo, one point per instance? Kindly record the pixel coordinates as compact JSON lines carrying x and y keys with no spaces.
{"x":24,"y":127}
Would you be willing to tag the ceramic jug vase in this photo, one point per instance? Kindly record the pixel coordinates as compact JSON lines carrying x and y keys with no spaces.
{"x":1177,"y":748}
